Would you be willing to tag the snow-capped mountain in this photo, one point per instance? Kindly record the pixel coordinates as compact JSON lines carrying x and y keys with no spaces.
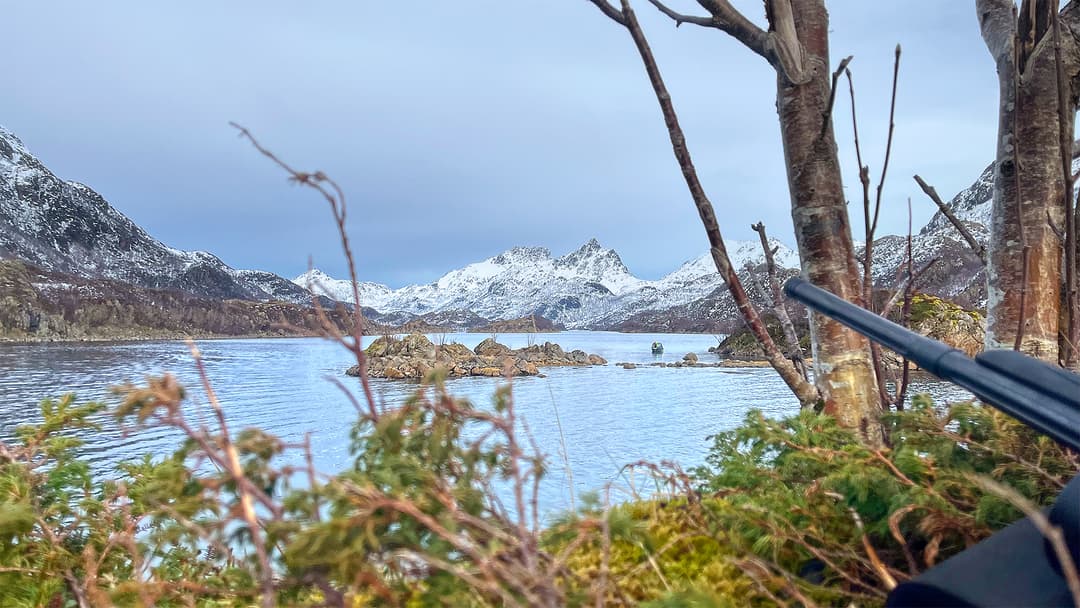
{"x":65,"y":226}
{"x":588,"y":287}
{"x":958,"y":274}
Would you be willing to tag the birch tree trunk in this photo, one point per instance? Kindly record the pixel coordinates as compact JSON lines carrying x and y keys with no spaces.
{"x":796,"y":44}
{"x":842,"y":362}
{"x":1024,"y":295}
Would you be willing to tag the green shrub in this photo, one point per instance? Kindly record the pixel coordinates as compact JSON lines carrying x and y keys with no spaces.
{"x":840,"y":522}
{"x":789,"y":510}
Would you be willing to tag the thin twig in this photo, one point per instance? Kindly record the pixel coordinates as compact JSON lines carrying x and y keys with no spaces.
{"x":976,"y":246}
{"x":805,"y":392}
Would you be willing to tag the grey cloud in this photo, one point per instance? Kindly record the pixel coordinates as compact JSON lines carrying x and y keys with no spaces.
{"x":461,"y":129}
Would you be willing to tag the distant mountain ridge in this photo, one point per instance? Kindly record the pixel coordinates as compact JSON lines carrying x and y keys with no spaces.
{"x":65,"y":226}
{"x":589,"y":287}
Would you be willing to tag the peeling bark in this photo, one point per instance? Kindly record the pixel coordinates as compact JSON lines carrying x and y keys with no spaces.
{"x":1024,"y":304}
{"x":842,"y":360}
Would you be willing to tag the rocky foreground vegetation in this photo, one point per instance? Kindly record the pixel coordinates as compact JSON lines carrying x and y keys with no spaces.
{"x":415,"y":356}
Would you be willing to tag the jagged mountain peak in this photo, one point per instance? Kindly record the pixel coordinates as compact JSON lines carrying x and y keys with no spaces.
{"x":12,"y":148}
{"x":312,"y":276}
{"x":67,"y":227}
{"x":741,"y":253}
{"x":516,"y":255}
{"x":596,"y":262}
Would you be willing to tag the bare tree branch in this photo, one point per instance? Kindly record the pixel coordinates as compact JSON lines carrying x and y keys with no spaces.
{"x":728,"y":19}
{"x":888,"y":144}
{"x":609,"y":10}
{"x":735,"y":24}
{"x":901,"y":288}
{"x":997,"y":21}
{"x":978,"y":248}
{"x":827,"y":120}
{"x":806,"y":393}
{"x":794,"y":350}
{"x":680,"y":18}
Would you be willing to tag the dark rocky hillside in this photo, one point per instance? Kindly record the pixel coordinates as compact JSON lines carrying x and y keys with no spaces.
{"x":67,"y":227}
{"x":41,"y":305}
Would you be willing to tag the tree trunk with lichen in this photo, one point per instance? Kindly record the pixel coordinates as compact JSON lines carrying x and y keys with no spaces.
{"x":843,"y":367}
{"x":1029,"y":208}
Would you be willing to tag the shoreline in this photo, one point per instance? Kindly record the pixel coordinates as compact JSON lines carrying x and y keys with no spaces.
{"x":164,"y":338}
{"x":6,"y":341}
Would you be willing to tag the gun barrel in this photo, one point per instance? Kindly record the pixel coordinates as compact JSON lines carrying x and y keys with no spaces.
{"x":1042,"y":396}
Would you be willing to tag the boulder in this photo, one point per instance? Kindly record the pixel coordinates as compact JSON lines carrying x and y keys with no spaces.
{"x":416,"y":345}
{"x":597,"y":360}
{"x":380,"y":346}
{"x":489,"y":347}
{"x":553,"y":351}
{"x":690,"y":358}
{"x":454,"y":351}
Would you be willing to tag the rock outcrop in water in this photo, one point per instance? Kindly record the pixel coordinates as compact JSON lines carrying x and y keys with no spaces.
{"x":415,"y":355}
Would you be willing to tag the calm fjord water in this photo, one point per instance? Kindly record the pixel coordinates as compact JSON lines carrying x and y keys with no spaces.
{"x":609,"y":416}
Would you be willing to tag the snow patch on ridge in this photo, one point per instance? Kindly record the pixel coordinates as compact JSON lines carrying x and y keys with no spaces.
{"x":580,"y":289}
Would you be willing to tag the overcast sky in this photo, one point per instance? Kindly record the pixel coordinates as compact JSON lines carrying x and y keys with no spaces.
{"x":460,"y":129}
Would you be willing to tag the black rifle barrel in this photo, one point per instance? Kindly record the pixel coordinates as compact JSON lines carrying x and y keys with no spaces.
{"x":1045,"y":397}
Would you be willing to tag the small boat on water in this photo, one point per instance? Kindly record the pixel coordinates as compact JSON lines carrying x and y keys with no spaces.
{"x":657,"y":348}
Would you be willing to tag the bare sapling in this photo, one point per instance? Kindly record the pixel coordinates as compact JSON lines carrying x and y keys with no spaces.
{"x":796,"y":45}
{"x":794,"y":350}
{"x":805,"y":392}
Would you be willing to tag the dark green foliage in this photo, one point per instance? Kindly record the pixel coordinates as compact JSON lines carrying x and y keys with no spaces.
{"x":787,"y":510}
{"x":801,"y":494}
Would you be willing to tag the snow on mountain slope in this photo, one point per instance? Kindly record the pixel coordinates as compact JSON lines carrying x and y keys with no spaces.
{"x":587,"y":287}
{"x":68,"y":227}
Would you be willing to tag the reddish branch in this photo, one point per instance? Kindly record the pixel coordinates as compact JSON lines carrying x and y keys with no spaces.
{"x":978,"y":248}
{"x":779,"y":309}
{"x":779,"y":46}
{"x":806,"y":393}
{"x":870,"y":219}
{"x":335,"y":197}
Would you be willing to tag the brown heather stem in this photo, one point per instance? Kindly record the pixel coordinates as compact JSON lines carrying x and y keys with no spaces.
{"x":335,"y":197}
{"x":236,"y":471}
